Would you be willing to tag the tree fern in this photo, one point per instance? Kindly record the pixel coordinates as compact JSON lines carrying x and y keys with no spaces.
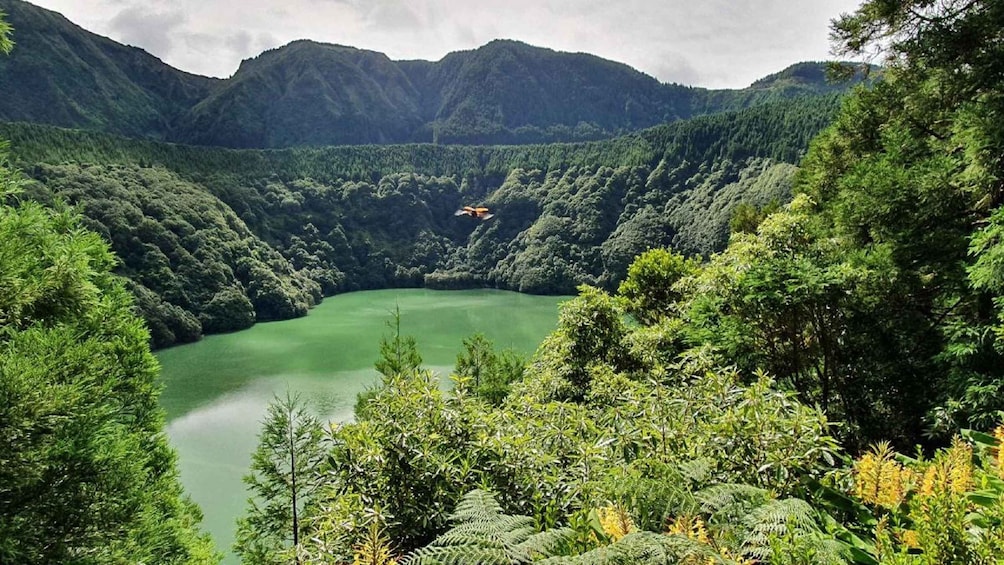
{"x":728,"y":506}
{"x":750,"y":520}
{"x":731,"y":499}
{"x":483,"y":534}
{"x":477,"y":506}
{"x":790,"y":527}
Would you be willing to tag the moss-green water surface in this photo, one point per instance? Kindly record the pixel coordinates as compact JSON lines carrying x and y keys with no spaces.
{"x":216,"y":391}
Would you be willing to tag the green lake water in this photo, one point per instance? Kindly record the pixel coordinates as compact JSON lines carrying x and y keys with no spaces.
{"x":216,"y":391}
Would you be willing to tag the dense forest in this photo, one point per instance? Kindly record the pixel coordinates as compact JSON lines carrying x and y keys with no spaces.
{"x":805,"y":368}
{"x":215,"y":239}
{"x":312,"y":94}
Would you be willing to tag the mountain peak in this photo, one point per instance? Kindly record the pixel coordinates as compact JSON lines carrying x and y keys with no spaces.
{"x":313,"y":93}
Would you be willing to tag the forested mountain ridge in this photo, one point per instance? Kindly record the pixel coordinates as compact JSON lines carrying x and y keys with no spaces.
{"x":309,"y":93}
{"x":60,"y":74}
{"x":213,"y":239}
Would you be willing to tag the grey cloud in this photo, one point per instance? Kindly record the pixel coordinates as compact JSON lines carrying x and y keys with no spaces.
{"x":386,"y":16}
{"x":153,"y":31}
{"x":239,"y":42}
{"x":674,"y":68}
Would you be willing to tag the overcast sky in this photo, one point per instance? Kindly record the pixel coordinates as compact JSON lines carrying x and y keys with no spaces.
{"x":710,"y":43}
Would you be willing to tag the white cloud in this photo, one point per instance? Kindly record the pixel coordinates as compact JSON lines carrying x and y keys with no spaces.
{"x":713,"y":43}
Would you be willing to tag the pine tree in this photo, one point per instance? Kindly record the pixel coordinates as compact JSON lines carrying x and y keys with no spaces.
{"x":281,"y":481}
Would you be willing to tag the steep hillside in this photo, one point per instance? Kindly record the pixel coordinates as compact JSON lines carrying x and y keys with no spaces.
{"x":213,"y":239}
{"x":509,"y":91}
{"x":308,"y":93}
{"x":63,"y":75}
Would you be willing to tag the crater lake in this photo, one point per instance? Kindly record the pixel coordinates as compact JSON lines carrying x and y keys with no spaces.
{"x":216,"y":391}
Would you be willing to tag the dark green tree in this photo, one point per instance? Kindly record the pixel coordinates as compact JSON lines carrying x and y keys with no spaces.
{"x":491,"y":373}
{"x":85,"y":467}
{"x":86,"y":473}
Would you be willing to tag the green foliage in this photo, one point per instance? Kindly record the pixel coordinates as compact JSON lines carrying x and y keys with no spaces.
{"x":482,"y":533}
{"x":308,"y":93}
{"x":590,"y":332}
{"x":190,"y":260}
{"x":490,"y":374}
{"x":746,"y":217}
{"x":550,"y":453}
{"x":87,"y":473}
{"x":399,"y":355}
{"x":283,"y":480}
{"x":648,"y":288}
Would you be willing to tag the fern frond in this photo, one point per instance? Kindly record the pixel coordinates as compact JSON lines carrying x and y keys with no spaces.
{"x":780,"y":516}
{"x":476,"y":506}
{"x":503,"y":527}
{"x":793,"y":520}
{"x":646,"y":548}
{"x":542,"y":544}
{"x":458,"y":555}
{"x":482,"y":534}
{"x":731,"y":499}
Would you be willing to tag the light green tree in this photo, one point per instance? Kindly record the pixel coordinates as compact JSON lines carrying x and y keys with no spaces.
{"x":648,"y":289}
{"x":282,"y":481}
{"x":490,"y":373}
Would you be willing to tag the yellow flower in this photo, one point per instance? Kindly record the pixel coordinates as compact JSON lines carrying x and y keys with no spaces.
{"x":934,"y":476}
{"x":960,"y":466}
{"x":951,"y":472}
{"x":880,"y":480}
{"x":999,"y":436}
{"x":701,"y":533}
{"x":615,"y":521}
{"x":738,"y":559}
{"x":693,"y":528}
{"x":374,"y":550}
{"x":910,"y":538}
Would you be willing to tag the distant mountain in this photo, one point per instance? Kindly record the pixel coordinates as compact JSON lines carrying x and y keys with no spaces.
{"x":507,"y":91}
{"x":309,"y":93}
{"x":63,"y":75}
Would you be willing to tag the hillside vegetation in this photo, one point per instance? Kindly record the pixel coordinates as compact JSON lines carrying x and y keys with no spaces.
{"x":214,"y":239}
{"x":311,"y":94}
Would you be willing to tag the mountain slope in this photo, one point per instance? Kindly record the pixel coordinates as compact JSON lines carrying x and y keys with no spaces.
{"x":213,"y":239}
{"x":63,"y":75}
{"x":309,"y":93}
{"x":511,"y":91}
